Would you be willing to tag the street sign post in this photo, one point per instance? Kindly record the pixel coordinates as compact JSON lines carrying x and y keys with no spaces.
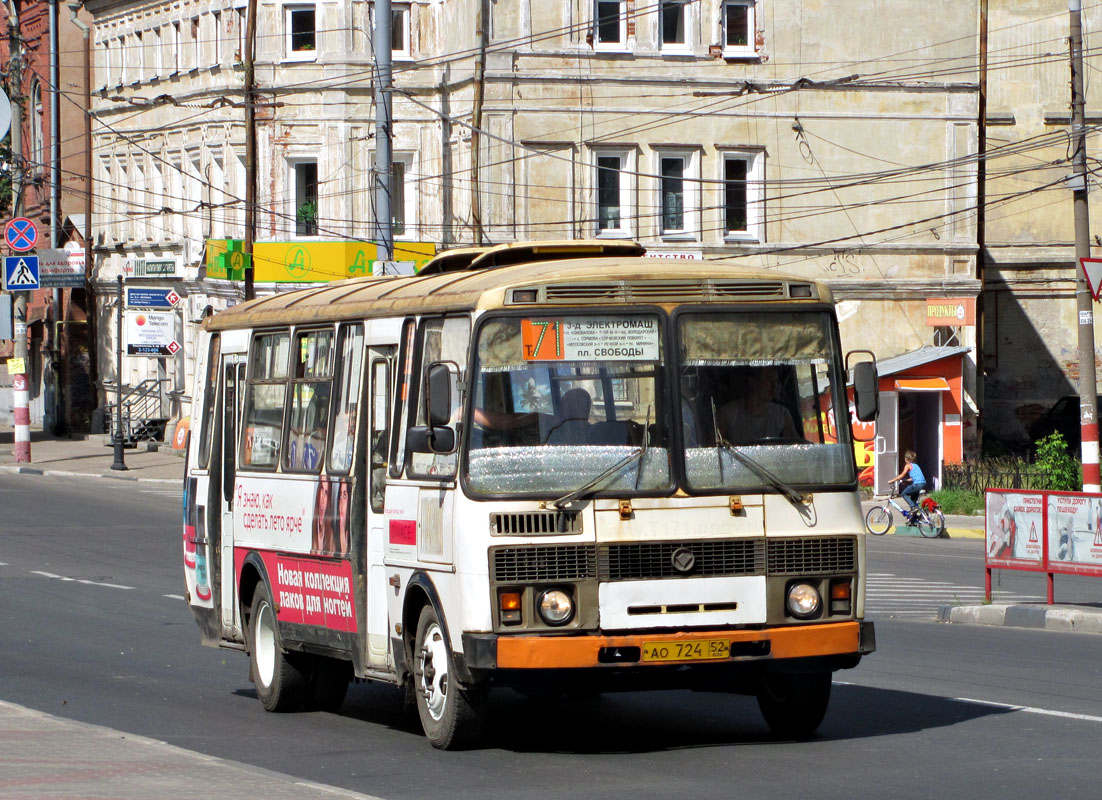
{"x":61,"y":269}
{"x":145,"y":297}
{"x":21,"y":273}
{"x":151,"y":333}
{"x":21,"y":234}
{"x":1092,"y":268}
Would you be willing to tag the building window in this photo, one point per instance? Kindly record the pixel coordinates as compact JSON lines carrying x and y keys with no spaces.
{"x":196,"y":44}
{"x":678,"y":182}
{"x":398,"y":197}
{"x":171,"y":41}
{"x":38,"y":139}
{"x":301,"y":32}
{"x":610,"y":30}
{"x":306,"y":198}
{"x":612,"y":183}
{"x":217,"y":16}
{"x":242,"y":22}
{"x":673,"y":24}
{"x":739,"y":26}
{"x":399,"y":32}
{"x":743,"y":196}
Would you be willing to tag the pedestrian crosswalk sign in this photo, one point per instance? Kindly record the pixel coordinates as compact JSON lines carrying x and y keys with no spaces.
{"x":20,"y":273}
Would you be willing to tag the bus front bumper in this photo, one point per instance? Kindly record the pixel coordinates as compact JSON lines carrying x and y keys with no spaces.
{"x":493,"y":652}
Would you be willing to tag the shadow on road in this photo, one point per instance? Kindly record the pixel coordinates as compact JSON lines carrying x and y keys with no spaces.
{"x":641,"y":722}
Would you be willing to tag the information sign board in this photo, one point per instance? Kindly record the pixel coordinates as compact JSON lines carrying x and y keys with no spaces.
{"x":151,"y":333}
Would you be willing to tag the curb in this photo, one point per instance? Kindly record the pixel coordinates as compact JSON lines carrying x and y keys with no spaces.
{"x":58,"y":473}
{"x":1015,"y":616}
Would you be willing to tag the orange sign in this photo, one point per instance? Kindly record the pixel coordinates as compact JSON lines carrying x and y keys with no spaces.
{"x":955,"y":311}
{"x":542,"y":339}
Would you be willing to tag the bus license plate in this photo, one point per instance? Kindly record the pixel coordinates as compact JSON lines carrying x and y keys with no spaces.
{"x":699,"y":650}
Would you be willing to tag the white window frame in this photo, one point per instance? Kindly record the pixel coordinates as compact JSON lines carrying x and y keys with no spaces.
{"x":626,"y":192}
{"x":755,"y":195}
{"x":685,"y":46}
{"x":293,"y":163}
{"x":690,"y":194}
{"x":400,"y":23}
{"x":122,"y":60}
{"x":289,"y":54}
{"x":409,"y":196}
{"x":614,"y":47}
{"x":216,"y":18}
{"x":171,"y":42}
{"x":749,"y":50}
{"x":196,"y":26}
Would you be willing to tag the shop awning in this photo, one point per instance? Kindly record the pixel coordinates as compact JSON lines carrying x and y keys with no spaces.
{"x":922,"y":384}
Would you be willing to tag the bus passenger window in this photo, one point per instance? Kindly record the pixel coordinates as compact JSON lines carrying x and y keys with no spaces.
{"x":347,"y":402}
{"x":443,"y":339}
{"x":312,"y":383}
{"x":380,"y":416}
{"x":267,"y":391}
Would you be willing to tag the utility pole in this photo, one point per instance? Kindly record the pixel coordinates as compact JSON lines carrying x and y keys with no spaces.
{"x":20,"y":389}
{"x":250,"y":147}
{"x":56,"y":352}
{"x":382,"y":43}
{"x":476,"y":121}
{"x":1088,"y":390}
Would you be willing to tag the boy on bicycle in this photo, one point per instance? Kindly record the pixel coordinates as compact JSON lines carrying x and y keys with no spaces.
{"x":917,"y":483}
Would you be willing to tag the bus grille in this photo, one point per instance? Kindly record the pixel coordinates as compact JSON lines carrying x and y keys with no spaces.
{"x":550,"y":563}
{"x":535,"y":522}
{"x":812,"y":555}
{"x":625,"y":562}
{"x":650,"y":560}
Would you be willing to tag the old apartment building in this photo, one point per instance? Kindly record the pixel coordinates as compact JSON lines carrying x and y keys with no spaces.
{"x":783,"y":134}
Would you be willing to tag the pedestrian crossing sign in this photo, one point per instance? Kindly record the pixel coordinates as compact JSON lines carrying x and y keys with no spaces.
{"x":20,"y":273}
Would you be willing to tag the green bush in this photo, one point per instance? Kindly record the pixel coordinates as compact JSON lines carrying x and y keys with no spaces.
{"x":958,"y":501}
{"x":1059,"y":470}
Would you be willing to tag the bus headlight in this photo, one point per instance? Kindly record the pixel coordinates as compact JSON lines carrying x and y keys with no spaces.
{"x":556,"y":607}
{"x":803,"y":600}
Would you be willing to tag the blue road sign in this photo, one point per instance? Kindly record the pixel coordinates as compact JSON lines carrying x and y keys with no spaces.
{"x":151,"y":298}
{"x":20,"y":273}
{"x":21,"y":234}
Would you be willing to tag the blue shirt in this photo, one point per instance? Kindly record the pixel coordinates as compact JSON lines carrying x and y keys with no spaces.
{"x":916,"y":474}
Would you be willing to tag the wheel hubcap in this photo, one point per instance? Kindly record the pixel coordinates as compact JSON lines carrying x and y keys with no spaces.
{"x":434,"y":671}
{"x":265,"y":645}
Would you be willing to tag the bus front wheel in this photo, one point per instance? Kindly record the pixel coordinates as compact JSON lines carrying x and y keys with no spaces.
{"x":452,"y":715}
{"x":794,"y":704}
{"x":280,"y":682}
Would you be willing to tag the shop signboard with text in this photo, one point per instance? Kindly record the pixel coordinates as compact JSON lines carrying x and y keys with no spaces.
{"x":307,"y":261}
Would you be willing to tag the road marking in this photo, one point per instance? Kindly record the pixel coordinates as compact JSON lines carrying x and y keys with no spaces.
{"x":175,"y":597}
{"x":1030,"y":709}
{"x":896,"y":596}
{"x":79,"y":580}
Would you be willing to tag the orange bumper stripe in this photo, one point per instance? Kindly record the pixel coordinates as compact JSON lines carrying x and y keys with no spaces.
{"x":546,"y":652}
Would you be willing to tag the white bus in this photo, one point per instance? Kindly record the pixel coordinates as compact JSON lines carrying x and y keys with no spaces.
{"x":551,"y":467}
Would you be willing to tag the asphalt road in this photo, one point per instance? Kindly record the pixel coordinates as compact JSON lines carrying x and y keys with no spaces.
{"x":93,"y":628}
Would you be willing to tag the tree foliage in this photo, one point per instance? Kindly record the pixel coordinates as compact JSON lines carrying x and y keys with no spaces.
{"x":1055,"y":463}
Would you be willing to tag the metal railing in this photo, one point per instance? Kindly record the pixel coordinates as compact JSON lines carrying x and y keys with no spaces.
{"x":143,"y":418}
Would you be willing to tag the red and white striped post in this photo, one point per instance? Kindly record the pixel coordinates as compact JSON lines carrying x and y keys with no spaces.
{"x":22,"y":397}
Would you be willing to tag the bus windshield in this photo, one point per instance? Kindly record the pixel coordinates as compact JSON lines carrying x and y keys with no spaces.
{"x":559,"y":401}
{"x":758,"y":399}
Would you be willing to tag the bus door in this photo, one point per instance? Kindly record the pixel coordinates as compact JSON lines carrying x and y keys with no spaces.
{"x":380,"y":392}
{"x":887,"y":444}
{"x":233,"y":384}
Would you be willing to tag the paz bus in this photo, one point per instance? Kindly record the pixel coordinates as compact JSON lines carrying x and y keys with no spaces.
{"x":552,"y":467}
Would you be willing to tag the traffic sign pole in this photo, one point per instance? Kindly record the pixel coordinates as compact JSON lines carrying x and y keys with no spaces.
{"x":21,"y":405}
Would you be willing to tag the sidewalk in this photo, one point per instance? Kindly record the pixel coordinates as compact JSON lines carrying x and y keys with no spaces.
{"x":957,"y":526}
{"x":93,"y":455}
{"x":48,"y":756}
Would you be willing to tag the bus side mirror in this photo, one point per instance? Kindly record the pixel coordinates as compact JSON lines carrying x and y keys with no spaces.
{"x":866,"y":393}
{"x":437,"y":436}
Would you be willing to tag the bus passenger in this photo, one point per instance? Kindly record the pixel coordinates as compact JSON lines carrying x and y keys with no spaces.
{"x":755,"y":415}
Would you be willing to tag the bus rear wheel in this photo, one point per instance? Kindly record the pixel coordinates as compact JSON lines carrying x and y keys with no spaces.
{"x":452,"y":715}
{"x":280,"y":681}
{"x":794,"y":705}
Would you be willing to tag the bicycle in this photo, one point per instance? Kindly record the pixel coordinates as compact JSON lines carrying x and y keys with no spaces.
{"x":928,"y":517}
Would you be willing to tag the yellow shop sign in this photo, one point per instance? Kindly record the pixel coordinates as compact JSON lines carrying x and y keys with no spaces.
{"x":306,"y":262}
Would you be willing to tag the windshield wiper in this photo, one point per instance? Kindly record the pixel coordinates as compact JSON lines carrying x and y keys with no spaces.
{"x":790,"y":494}
{"x":615,"y":469}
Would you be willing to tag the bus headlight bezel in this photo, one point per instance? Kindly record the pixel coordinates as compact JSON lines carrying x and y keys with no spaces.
{"x":803,"y":600}
{"x":556,"y":606}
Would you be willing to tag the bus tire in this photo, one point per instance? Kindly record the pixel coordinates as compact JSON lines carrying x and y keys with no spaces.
{"x":280,"y":681}
{"x":794,"y":705}
{"x":328,"y":683}
{"x":452,"y":714}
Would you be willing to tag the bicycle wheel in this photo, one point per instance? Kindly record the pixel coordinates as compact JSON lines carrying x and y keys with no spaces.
{"x":879,"y":520}
{"x":931,"y":523}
